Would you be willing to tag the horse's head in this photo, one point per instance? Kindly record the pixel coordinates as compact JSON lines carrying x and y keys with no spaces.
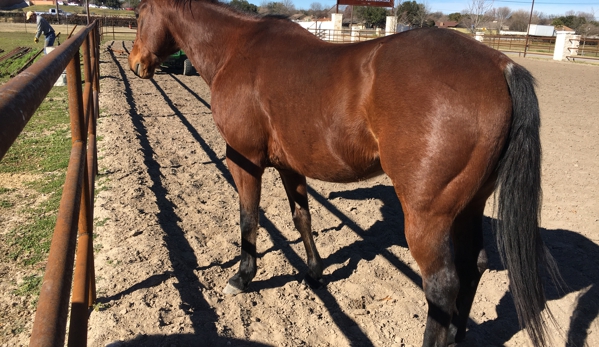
{"x":153,"y":42}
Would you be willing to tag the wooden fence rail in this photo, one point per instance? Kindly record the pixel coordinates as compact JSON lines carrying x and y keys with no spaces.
{"x":587,"y":49}
{"x":518,"y":44}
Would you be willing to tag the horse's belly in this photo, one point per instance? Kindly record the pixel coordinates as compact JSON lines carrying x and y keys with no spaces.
{"x":334,"y":145}
{"x":330,"y":165}
{"x":344,"y":173}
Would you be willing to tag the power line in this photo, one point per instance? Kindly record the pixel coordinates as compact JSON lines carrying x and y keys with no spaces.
{"x":550,"y":3}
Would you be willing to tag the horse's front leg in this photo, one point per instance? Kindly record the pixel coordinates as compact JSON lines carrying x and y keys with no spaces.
{"x":296,"y":189}
{"x":248,"y":177}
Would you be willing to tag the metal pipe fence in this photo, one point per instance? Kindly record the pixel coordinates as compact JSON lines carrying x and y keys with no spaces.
{"x":119,"y":28}
{"x":19,"y":99}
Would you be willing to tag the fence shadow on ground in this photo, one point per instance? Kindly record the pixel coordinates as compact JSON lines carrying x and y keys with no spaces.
{"x":577,"y":258}
{"x":197,"y":309}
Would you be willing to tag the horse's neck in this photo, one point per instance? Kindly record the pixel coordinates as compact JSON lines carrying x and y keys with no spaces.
{"x":208,"y":37}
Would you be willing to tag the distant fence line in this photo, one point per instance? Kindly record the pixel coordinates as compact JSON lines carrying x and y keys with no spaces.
{"x":575,"y":46}
{"x":79,"y":19}
{"x":584,"y":48}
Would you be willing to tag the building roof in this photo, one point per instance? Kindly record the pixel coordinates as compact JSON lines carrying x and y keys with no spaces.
{"x":446,"y":24}
{"x":563,"y":28}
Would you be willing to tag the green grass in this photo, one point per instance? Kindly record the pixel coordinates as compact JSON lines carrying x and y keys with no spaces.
{"x":30,"y":286}
{"x":34,"y":169}
{"x":10,"y":66}
{"x":101,"y":223}
{"x":10,"y":42}
{"x":6,"y":204}
{"x":42,"y":150}
{"x":38,"y":158}
{"x":48,"y":133}
{"x":30,"y":243}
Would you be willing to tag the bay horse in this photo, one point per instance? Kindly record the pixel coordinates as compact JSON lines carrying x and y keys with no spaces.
{"x":448,"y":119}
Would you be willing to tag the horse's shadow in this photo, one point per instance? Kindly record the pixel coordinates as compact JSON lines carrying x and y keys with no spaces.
{"x":376,"y":239}
{"x":577,"y":258}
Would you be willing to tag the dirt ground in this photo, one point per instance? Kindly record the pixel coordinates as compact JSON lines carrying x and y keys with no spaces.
{"x":168,"y":232}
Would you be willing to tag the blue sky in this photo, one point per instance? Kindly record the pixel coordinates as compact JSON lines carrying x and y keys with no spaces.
{"x":548,"y":7}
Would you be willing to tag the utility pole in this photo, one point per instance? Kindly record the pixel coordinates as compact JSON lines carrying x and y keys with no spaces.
{"x":57,"y":14}
{"x":87,"y":10}
{"x":528,"y":31}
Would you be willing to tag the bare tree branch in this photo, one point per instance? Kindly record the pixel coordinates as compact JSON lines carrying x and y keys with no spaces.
{"x":476,"y":12}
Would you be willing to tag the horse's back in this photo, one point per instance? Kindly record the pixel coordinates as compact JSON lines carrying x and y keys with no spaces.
{"x":426,"y":60}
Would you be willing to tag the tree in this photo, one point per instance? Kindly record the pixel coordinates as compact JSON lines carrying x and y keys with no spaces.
{"x":285,"y":8}
{"x":128,"y":3}
{"x":541,"y":18}
{"x":588,"y":16}
{"x":519,"y":20}
{"x":456,"y":17}
{"x":422,"y":15}
{"x":412,"y":13}
{"x":437,"y":16}
{"x":317,"y":10}
{"x":372,"y":16}
{"x":288,"y":4}
{"x":570,"y":20}
{"x":476,"y":13}
{"x":112,"y":3}
{"x":501,"y":15}
{"x":588,"y":29}
{"x":244,"y":6}
{"x":316,"y":6}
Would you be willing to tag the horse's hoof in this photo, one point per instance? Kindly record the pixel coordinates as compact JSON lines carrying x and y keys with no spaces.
{"x":230,"y":290}
{"x":313,"y":283}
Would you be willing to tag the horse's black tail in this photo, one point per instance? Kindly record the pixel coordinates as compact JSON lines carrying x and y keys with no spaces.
{"x":518,"y":206}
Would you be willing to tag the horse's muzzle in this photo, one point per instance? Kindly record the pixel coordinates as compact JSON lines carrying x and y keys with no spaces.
{"x":141,"y":70}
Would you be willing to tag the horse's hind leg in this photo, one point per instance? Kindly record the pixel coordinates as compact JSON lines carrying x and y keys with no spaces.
{"x":470,"y":262}
{"x":247,"y":177}
{"x":428,"y":237}
{"x":296,"y":189}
